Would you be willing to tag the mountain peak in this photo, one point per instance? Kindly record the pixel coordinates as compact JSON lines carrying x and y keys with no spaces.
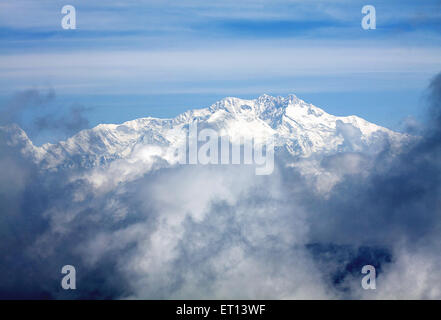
{"x":265,"y":105}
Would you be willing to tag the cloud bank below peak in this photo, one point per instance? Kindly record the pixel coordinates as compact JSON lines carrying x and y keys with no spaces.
{"x":217,"y":232}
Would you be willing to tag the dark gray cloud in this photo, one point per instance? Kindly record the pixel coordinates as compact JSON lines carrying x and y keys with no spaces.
{"x":395,"y":207}
{"x":33,"y":110}
{"x":399,"y":196}
{"x":14,"y":108}
{"x":70,"y":123}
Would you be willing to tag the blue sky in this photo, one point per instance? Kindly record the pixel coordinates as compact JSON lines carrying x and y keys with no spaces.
{"x":129,"y":59}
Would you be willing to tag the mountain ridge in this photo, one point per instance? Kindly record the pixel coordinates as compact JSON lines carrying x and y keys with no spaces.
{"x":301,"y":128}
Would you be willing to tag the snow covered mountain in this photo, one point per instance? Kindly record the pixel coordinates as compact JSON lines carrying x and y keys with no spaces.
{"x":299,"y":130}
